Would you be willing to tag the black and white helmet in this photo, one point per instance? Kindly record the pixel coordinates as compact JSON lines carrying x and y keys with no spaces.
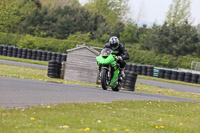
{"x":114,"y":42}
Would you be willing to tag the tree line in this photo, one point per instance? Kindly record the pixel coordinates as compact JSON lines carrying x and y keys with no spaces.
{"x":97,"y":20}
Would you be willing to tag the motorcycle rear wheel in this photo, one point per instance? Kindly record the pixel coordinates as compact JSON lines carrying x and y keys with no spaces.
{"x":104,"y":79}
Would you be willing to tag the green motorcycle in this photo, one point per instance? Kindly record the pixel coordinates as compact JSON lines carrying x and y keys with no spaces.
{"x":109,"y":70}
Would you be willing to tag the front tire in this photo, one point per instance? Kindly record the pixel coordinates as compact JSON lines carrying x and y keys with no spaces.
{"x":104,"y":79}
{"x":117,"y":88}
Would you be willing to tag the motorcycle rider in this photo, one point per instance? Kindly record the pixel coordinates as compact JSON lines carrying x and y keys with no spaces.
{"x":120,"y":51}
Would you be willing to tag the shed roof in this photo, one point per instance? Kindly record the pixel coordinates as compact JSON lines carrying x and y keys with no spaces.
{"x":84,"y":47}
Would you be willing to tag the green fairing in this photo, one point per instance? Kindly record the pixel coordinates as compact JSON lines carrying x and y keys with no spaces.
{"x":115,"y":79}
{"x":110,"y":60}
{"x":106,"y":61}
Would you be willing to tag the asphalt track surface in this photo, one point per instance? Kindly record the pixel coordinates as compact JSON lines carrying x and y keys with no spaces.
{"x":21,"y":92}
{"x":23,"y":64}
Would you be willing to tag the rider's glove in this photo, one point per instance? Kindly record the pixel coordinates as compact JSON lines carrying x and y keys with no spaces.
{"x":119,"y":58}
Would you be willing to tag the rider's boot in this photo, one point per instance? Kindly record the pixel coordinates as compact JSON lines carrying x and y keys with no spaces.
{"x":122,"y":72}
{"x":122,"y":75}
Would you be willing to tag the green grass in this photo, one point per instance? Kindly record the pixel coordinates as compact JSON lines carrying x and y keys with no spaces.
{"x":162,"y":91}
{"x":115,"y":117}
{"x":32,"y":74}
{"x":24,"y":60}
{"x":39,"y":74}
{"x":169,"y":81}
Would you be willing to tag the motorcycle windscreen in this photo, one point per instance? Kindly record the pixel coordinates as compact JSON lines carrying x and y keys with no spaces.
{"x":106,"y":52}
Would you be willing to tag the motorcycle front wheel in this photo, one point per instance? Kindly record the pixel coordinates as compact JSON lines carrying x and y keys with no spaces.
{"x":104,"y":79}
{"x":117,"y":88}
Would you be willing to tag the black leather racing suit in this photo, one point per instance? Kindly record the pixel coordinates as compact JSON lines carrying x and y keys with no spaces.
{"x":120,"y":51}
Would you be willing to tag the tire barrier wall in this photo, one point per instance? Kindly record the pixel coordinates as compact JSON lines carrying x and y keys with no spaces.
{"x":132,"y":71}
{"x":129,"y":80}
{"x":54,"y":69}
{"x":140,"y":70}
{"x":31,"y":54}
{"x":178,"y":75}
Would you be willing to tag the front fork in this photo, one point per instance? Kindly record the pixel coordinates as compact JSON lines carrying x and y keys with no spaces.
{"x":113,"y":75}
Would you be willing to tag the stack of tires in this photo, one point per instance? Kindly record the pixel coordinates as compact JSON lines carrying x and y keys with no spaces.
{"x":24,"y":53}
{"x":195,"y":78}
{"x":34,"y":55}
{"x":19,"y":53}
{"x":168,"y":74}
{"x":31,"y":54}
{"x":133,"y":68}
{"x":161,"y":73}
{"x":188,"y":77}
{"x":1,"y":50}
{"x":53,"y":56}
{"x":129,"y":80}
{"x":39,"y":55}
{"x":140,"y":69}
{"x":44,"y":56}
{"x":14,"y":52}
{"x":54,"y":69}
{"x":198,"y":81}
{"x":150,"y":71}
{"x":174,"y":75}
{"x":10,"y":50}
{"x":59,"y":57}
{"x":64,"y":57}
{"x":179,"y":75}
{"x":49,"y":54}
{"x":5,"y":50}
{"x":144,"y":70}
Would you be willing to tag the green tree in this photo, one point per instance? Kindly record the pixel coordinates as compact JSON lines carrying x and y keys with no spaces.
{"x":54,"y":4}
{"x":179,"y":12}
{"x":12,"y":13}
{"x":112,"y":10}
{"x":129,"y":35}
{"x":173,"y":40}
{"x":61,"y":22}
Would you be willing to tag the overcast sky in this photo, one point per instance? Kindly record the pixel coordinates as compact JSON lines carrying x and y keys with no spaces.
{"x":150,"y":11}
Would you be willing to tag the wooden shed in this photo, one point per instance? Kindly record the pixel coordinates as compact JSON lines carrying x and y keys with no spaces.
{"x":81,"y":65}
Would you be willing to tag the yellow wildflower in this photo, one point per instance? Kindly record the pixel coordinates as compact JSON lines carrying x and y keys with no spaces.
{"x":87,"y":129}
{"x":103,"y":130}
{"x":126,"y":130}
{"x":160,"y":119}
{"x":48,"y":107}
{"x":157,"y":127}
{"x":115,"y":129}
{"x":180,"y":124}
{"x":162,"y":126}
{"x":32,"y":118}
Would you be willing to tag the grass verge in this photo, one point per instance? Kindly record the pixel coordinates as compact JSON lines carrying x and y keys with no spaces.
{"x":24,"y":60}
{"x":162,"y":91}
{"x":39,"y":74}
{"x":119,"y":116}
